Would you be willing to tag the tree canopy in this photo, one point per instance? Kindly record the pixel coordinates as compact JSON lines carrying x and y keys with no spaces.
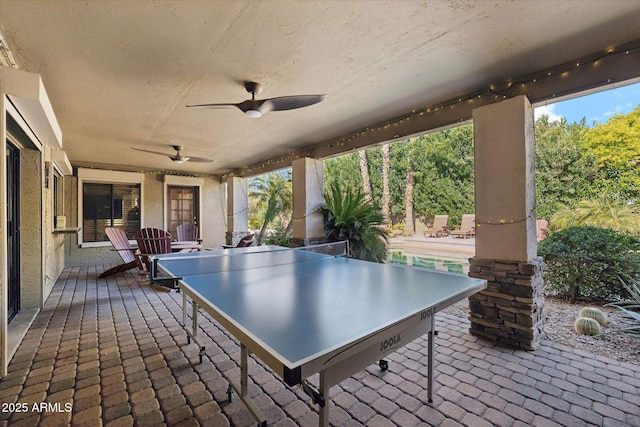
{"x":591,"y":170}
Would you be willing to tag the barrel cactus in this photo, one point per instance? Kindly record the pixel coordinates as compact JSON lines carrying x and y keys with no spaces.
{"x":595,"y":314}
{"x":587,"y":326}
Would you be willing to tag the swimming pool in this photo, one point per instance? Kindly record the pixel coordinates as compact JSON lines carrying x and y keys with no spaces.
{"x":454,"y":265}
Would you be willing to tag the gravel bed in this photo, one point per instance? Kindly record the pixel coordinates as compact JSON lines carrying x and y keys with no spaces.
{"x":559,"y":319}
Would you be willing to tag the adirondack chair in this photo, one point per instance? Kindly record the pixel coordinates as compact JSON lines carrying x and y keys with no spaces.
{"x":439,"y":227}
{"x":188,"y":233}
{"x":151,"y":241}
{"x":467,"y":228}
{"x":120,"y":243}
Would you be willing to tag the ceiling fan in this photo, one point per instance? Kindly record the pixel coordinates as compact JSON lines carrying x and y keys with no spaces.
{"x":177,"y":158}
{"x":257,"y":107}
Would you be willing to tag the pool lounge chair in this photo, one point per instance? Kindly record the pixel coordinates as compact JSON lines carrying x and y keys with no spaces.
{"x":542,"y":227}
{"x":467,"y":228}
{"x":439,"y":227}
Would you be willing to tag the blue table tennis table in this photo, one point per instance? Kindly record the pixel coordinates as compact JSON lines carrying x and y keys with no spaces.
{"x":303,"y":312}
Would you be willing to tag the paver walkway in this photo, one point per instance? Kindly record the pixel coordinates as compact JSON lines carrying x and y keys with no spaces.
{"x":104,"y":353}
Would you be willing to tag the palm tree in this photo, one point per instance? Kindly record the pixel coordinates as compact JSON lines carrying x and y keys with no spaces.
{"x":602,"y":212}
{"x":275,"y":191}
{"x":386,"y":195}
{"x":348,"y":216}
{"x":364,"y":171}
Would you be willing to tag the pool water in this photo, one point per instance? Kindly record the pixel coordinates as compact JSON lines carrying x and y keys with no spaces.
{"x":426,"y":261}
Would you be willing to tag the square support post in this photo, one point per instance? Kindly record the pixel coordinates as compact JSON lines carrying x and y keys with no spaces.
{"x":510,"y":309}
{"x":308,"y":222}
{"x":237,"y":210}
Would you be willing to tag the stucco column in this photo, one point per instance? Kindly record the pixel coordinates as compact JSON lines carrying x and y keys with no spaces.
{"x":237,"y":210}
{"x":510,"y":309}
{"x":308,"y":223}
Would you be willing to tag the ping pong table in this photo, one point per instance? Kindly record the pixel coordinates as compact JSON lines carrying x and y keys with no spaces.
{"x":303,"y":312}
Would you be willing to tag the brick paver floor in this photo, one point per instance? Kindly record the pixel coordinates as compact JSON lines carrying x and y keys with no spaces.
{"x":104,"y":353}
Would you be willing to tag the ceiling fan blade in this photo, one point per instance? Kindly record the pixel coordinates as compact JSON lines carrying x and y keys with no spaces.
{"x":152,"y":152}
{"x":291,"y":102}
{"x":244,"y":106}
{"x":179,"y":158}
{"x":215,"y":105}
{"x":200,"y":159}
{"x":257,"y":108}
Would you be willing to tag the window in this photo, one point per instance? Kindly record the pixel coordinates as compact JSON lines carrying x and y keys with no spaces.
{"x":110,"y":205}
{"x":108,"y":199}
{"x":58,"y":198}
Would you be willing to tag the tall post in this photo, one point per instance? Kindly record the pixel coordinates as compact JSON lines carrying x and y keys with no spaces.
{"x":237,"y":209}
{"x":308,"y":222}
{"x":510,"y":309}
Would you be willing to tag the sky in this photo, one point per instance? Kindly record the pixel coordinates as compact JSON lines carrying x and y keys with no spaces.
{"x":599,"y":107}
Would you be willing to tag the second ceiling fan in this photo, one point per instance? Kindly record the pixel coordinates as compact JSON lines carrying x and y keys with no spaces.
{"x":258,"y":107}
{"x":178,"y":157}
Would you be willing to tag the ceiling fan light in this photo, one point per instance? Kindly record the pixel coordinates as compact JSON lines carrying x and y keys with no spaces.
{"x":253,"y":114}
{"x":179,"y":160}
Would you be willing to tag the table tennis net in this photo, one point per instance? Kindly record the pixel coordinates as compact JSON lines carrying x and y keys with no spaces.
{"x":200,"y":263}
{"x":334,"y":248}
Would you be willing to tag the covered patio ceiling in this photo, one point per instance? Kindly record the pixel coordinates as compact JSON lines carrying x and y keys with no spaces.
{"x":119,"y":74}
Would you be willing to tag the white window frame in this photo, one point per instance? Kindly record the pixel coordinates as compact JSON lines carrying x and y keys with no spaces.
{"x":56,"y":175}
{"x":98,"y":176}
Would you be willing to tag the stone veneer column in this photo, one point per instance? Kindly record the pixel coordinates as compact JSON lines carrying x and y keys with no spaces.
{"x":510,"y":309}
{"x":237,"y":210}
{"x":308,"y":222}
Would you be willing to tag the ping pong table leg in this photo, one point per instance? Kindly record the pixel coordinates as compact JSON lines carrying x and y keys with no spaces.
{"x":243,"y":388}
{"x":192,"y":333}
{"x":430,"y":359}
{"x":244,"y":369}
{"x":324,"y":409}
{"x":194,"y":318}
{"x":184,"y":315}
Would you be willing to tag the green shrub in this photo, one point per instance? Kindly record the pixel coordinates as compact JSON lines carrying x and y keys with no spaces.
{"x":584,"y":263}
{"x":348,"y":216}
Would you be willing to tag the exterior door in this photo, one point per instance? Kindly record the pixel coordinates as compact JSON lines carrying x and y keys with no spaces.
{"x":183,"y":207}
{"x":13,"y":229}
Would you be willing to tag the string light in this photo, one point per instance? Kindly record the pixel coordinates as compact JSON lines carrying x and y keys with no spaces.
{"x":305,"y":216}
{"x":238,"y":212}
{"x":502,"y":221}
{"x":493,"y":94}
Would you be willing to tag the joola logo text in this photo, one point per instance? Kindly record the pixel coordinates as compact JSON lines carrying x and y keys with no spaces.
{"x":390,"y":343}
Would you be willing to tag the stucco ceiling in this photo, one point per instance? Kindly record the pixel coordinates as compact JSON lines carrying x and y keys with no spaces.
{"x":119,"y":74}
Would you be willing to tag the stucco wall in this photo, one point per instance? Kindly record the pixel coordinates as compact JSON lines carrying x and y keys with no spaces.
{"x":31,"y":244}
{"x":53,"y":243}
{"x":212,"y":222}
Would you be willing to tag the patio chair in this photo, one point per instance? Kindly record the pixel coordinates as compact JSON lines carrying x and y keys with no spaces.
{"x":243,"y":243}
{"x":120,"y":242}
{"x":467,"y":228}
{"x":439,"y":227}
{"x":542,"y":226}
{"x":151,"y":241}
{"x":188,"y":233}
